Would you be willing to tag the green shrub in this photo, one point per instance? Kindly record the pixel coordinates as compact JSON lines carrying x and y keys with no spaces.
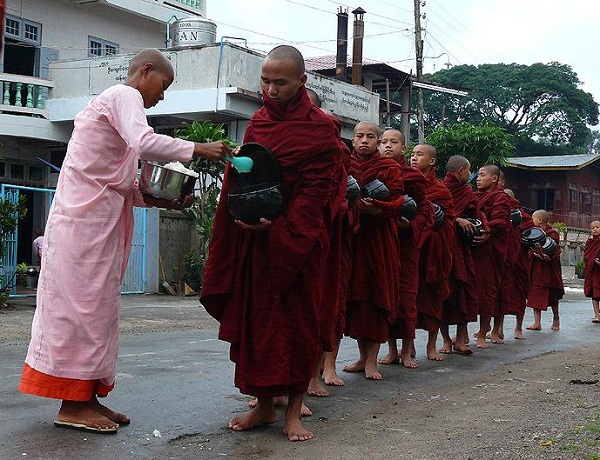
{"x":580,"y":269}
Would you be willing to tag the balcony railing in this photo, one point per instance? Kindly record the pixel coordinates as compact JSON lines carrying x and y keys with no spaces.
{"x":192,"y":3}
{"x":22,"y":94}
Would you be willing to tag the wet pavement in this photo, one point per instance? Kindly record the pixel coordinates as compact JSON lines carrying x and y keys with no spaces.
{"x":177,"y":386}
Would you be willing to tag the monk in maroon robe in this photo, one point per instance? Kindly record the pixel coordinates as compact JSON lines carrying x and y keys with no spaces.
{"x":489,"y":253}
{"x":591,"y":258}
{"x":411,"y":235}
{"x":264,"y":282}
{"x":515,"y":283}
{"x":545,"y":276}
{"x":435,"y":261}
{"x":460,"y":307}
{"x":373,"y":293}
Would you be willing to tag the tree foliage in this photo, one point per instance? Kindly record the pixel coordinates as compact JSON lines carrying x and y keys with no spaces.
{"x":540,"y":104}
{"x":481,"y":144}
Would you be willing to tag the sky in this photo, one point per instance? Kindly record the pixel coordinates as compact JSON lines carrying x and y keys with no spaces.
{"x":455,"y":31}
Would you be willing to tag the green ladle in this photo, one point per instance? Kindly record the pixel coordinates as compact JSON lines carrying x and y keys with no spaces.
{"x":242,"y":164}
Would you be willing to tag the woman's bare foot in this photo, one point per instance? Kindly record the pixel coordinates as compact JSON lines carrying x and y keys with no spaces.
{"x":358,"y":366}
{"x":263,"y":413}
{"x":332,"y":379}
{"x":80,"y":412}
{"x":315,"y":388}
{"x":117,"y":417}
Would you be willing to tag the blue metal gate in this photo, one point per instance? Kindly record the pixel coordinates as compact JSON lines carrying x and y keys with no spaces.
{"x":134,"y":281}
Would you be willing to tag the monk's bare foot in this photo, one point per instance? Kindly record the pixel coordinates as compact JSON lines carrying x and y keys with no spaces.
{"x":81,"y":413}
{"x":305,"y":411}
{"x":332,"y":379}
{"x":371,"y":373}
{"x":358,"y":366}
{"x":295,"y":431}
{"x":446,"y":348}
{"x":408,"y":362}
{"x":413,"y":350}
{"x":280,"y":401}
{"x":519,"y":335}
{"x":316,"y":389}
{"x":390,"y":358}
{"x":555,"y":326}
{"x":117,"y":417}
{"x":463,"y":349}
{"x":434,"y":356}
{"x":481,"y":343}
{"x":496,"y":338}
{"x":534,"y":327}
{"x":253,"y":418}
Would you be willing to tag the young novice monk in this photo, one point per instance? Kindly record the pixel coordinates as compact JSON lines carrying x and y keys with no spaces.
{"x":373,"y":294}
{"x":546,"y":284}
{"x":412,"y":235}
{"x":591,"y":256}
{"x":73,"y":350}
{"x":264,"y":282}
{"x":435,"y":261}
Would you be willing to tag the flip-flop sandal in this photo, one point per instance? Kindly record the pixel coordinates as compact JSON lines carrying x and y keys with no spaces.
{"x":596,"y":320}
{"x":84,"y":427}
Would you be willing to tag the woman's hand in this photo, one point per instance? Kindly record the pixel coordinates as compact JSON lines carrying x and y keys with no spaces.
{"x":211,"y":150}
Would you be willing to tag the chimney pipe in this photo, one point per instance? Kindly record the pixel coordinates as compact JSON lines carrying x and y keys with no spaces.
{"x":357,"y":45}
{"x":341,"y":59}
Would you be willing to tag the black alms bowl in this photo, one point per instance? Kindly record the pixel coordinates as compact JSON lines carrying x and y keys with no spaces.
{"x":251,"y":203}
{"x":516,"y":217}
{"x":409,"y":208}
{"x":376,"y":190}
{"x":438,"y":216}
{"x":533,"y":235}
{"x":468,"y":238}
{"x":549,"y":247}
{"x":352,"y":191}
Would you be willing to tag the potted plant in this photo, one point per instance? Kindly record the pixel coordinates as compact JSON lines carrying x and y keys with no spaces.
{"x":580,"y":269}
{"x":22,"y":274}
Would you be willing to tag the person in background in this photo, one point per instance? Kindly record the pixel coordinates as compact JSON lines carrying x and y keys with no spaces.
{"x":74,"y":337}
{"x":591,"y":257}
{"x":37,"y":246}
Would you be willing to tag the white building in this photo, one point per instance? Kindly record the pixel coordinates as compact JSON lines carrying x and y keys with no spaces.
{"x":58,"y":54}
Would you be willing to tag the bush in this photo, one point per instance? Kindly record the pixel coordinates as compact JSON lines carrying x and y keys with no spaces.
{"x":580,"y":269}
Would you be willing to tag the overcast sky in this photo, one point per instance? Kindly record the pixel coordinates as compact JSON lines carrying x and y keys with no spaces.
{"x":461,"y":31}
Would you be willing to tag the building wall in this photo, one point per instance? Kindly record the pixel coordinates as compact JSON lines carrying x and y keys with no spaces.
{"x":575,"y":193}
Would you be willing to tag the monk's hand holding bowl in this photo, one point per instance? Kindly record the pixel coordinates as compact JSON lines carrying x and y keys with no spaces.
{"x":479,"y":239}
{"x":403,"y":222}
{"x":178,"y":204}
{"x":264,"y":225}
{"x":368,"y":207}
{"x":467,"y":226}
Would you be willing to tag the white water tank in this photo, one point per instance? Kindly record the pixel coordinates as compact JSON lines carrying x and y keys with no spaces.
{"x":192,"y":31}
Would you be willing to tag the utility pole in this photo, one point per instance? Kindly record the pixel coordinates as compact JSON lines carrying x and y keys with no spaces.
{"x":419,"y":62}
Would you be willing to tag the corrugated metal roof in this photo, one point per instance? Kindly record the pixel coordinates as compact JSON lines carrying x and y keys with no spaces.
{"x":553,"y":162}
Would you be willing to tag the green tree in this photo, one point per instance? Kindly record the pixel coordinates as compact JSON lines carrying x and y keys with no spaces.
{"x":10,"y":214}
{"x":481,"y":144}
{"x":542,"y":105}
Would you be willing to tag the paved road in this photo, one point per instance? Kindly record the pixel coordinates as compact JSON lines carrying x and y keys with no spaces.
{"x":177,"y":387}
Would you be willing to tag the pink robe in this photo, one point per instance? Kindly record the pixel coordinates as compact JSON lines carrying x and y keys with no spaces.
{"x":88,"y":236}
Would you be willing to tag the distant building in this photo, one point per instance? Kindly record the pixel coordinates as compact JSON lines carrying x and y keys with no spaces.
{"x":567,"y":186}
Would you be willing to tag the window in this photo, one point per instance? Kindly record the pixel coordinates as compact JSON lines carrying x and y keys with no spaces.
{"x":2,"y":169}
{"x":17,"y":171}
{"x":545,"y":199}
{"x":99,"y":47}
{"x":23,"y":30}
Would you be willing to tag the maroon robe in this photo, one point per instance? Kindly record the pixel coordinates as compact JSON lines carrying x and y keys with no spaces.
{"x":461,"y":304}
{"x":545,"y":278}
{"x":489,"y":257}
{"x":373,"y":293}
{"x":518,"y":283}
{"x":411,"y":240}
{"x":435,"y":261}
{"x":265,"y":287}
{"x":513,"y":251}
{"x":591,"y":283}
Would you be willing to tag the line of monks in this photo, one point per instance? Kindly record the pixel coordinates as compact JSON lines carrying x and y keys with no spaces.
{"x":456,"y":258}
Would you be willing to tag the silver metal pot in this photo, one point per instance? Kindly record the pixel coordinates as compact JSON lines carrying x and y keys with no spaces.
{"x":161,"y":182}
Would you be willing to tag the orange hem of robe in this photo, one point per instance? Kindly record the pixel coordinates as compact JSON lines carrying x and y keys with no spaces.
{"x":37,"y":383}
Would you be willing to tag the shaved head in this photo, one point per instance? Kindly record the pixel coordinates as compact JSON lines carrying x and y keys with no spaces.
{"x":455,"y":162}
{"x":369,"y":125}
{"x":493,"y":170}
{"x":153,"y":57}
{"x":288,"y":53}
{"x":542,"y":215}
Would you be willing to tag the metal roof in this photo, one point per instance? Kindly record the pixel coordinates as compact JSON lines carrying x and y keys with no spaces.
{"x":553,"y":162}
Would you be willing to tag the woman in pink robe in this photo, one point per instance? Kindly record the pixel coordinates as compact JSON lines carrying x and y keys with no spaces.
{"x":74,"y":339}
